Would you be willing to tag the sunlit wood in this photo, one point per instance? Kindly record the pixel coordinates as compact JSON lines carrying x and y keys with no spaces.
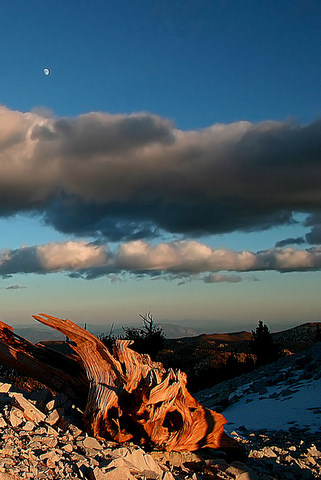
{"x":125,"y":395}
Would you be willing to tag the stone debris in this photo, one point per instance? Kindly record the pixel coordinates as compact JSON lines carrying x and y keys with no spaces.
{"x":42,"y":437}
{"x":281,"y":454}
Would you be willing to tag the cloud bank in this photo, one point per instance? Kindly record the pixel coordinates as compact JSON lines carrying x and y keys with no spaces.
{"x":128,"y":177}
{"x":140,"y":258}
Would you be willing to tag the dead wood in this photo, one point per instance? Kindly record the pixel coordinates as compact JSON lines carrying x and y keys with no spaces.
{"x":126,"y":395}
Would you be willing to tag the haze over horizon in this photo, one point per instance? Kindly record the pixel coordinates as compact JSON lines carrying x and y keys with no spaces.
{"x":170,"y":162}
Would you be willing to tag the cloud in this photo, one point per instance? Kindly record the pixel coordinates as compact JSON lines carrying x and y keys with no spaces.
{"x":219,"y":278}
{"x":175,"y":260}
{"x":314,"y":236}
{"x":132,"y":176}
{"x":291,"y":241}
{"x":52,"y":257}
{"x":14,"y":287}
{"x":71,"y":256}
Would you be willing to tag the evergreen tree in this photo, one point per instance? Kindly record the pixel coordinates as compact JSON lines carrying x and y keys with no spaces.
{"x":263,"y":346}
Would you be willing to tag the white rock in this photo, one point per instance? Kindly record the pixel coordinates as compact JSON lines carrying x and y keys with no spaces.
{"x":113,"y":474}
{"x":137,"y":460}
{"x":29,"y":410}
{"x":16,"y":417}
{"x":75,"y":431}
{"x":92,"y":443}
{"x":50,"y":442}
{"x":51,"y":431}
{"x":53,"y":417}
{"x":29,"y":426}
{"x":5,"y":387}
{"x":68,"y":448}
{"x":8,"y":476}
{"x":3,"y":423}
{"x":313,"y":451}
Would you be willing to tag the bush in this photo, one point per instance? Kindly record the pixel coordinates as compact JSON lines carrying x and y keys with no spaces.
{"x":148,"y":339}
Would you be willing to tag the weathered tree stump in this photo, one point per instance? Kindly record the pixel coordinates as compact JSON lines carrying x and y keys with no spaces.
{"x":125,"y":396}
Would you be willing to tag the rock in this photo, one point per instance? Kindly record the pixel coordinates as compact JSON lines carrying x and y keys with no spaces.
{"x":53,"y":417}
{"x":3,"y":423}
{"x":68,"y":448}
{"x":28,"y":426}
{"x":5,"y":387}
{"x":313,"y":451}
{"x":240,"y":471}
{"x":41,"y":431}
{"x":114,"y":474}
{"x":51,"y":431}
{"x":247,"y":476}
{"x":44,"y":452}
{"x":268,"y":452}
{"x":75,"y":431}
{"x":177,"y":459}
{"x":8,"y":476}
{"x":50,"y":405}
{"x":50,"y":442}
{"x":136,"y":460}
{"x":29,"y":410}
{"x":92,"y":443}
{"x":16,"y":417}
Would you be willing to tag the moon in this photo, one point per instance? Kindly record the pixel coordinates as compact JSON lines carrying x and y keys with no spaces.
{"x":46,"y":71}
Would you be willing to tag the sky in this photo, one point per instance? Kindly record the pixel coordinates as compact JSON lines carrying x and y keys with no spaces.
{"x":170,"y":162}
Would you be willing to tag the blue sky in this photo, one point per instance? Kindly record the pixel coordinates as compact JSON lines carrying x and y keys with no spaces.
{"x":170,"y":162}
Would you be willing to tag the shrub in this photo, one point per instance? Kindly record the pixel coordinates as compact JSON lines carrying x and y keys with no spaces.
{"x":148,"y":339}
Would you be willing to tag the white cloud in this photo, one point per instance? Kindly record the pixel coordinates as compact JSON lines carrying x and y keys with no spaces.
{"x":71,"y":256}
{"x":138,"y":257}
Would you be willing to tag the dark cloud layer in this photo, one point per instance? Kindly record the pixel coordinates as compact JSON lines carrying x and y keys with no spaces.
{"x":313,"y":237}
{"x":130,"y":176}
{"x":290,"y":241}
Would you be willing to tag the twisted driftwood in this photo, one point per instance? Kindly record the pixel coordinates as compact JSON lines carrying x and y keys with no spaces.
{"x":125,"y":396}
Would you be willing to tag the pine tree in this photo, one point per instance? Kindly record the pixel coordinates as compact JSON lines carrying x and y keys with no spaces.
{"x":263,"y":346}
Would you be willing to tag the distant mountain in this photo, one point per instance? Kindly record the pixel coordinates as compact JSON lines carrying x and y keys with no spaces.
{"x":296,"y":338}
{"x":177,"y":331}
{"x":38,"y":334}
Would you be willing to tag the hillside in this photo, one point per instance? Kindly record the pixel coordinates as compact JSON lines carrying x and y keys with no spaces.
{"x":295,"y":339}
{"x":275,"y":413}
{"x":209,"y":359}
{"x":298,"y":338}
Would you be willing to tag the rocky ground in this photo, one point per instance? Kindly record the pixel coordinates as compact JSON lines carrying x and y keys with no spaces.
{"x":41,"y":437}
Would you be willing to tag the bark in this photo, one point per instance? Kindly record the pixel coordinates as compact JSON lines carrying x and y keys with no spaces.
{"x":126,"y":395}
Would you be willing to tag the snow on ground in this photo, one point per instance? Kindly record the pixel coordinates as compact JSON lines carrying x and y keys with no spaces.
{"x":280,"y":396}
{"x":279,"y":408}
